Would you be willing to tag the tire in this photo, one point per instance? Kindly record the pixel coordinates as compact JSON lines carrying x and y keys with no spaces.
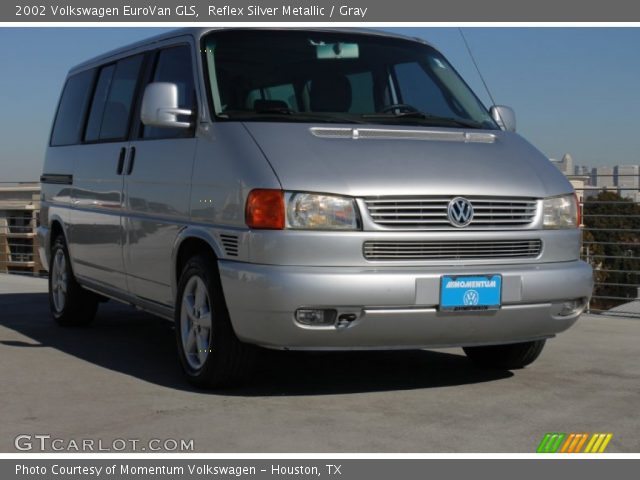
{"x":69,"y":303}
{"x":510,"y":357}
{"x":210,"y":353}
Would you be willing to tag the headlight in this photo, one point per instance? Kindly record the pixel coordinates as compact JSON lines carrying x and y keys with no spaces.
{"x":561,"y":212}
{"x":321,"y":212}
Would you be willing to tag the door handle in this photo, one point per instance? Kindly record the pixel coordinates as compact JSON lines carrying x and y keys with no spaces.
{"x":132,"y":159}
{"x":123,"y":154}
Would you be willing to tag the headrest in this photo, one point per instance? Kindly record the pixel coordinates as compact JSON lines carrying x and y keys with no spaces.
{"x":330,"y":93}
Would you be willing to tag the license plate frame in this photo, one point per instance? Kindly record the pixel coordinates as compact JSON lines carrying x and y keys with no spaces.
{"x":471,"y":295}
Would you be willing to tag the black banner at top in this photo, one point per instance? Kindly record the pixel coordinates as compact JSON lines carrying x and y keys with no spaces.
{"x":354,"y":11}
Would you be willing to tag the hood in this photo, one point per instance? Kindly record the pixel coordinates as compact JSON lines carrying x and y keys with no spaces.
{"x":388,"y":160}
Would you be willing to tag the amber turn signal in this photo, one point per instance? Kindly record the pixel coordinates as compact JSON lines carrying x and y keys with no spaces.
{"x":265,"y":209}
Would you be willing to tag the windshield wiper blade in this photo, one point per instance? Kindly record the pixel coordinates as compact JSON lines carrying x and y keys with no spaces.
{"x":423,"y":116}
{"x":290,"y":113}
{"x":327,"y":117}
{"x":280,"y":110}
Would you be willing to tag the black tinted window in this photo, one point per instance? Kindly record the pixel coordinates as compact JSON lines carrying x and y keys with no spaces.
{"x":99,"y":100}
{"x":334,"y":77}
{"x":113,"y":100}
{"x":419,"y":90}
{"x":67,"y":127}
{"x":174,"y":66}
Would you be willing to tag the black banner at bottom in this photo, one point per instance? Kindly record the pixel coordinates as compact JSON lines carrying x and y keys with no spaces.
{"x":343,"y":469}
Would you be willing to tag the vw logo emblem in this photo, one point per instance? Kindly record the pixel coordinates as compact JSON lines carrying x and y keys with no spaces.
{"x":460,"y":212}
{"x":471,"y":297}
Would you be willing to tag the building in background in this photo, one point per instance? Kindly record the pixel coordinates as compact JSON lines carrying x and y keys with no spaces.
{"x":602,"y":177}
{"x":589,"y":182}
{"x":565,"y":165}
{"x":627,"y":178}
{"x":582,"y":170}
{"x":19,"y":211}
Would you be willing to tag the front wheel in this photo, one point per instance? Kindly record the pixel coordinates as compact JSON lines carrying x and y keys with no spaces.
{"x":512,"y":356}
{"x":210,"y":353}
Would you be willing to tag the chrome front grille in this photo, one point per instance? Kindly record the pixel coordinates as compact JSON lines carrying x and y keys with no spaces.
{"x":451,"y":250}
{"x":425,"y":213}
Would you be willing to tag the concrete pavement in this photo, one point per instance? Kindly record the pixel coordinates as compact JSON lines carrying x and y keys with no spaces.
{"x":120,"y":378}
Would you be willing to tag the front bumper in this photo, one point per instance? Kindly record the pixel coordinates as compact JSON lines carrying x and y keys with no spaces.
{"x":396,"y":307}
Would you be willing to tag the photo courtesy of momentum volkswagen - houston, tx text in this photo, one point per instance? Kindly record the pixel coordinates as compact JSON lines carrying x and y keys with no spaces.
{"x":304,"y":189}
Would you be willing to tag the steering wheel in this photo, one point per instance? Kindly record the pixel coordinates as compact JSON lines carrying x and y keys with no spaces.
{"x":403,"y":107}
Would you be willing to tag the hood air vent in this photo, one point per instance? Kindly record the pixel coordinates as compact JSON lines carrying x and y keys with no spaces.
{"x":401,"y":134}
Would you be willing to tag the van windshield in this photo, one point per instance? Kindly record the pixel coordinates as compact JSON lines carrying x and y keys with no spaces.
{"x":317,"y":76}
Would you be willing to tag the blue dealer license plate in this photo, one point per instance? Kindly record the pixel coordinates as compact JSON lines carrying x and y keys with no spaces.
{"x":473,"y":292}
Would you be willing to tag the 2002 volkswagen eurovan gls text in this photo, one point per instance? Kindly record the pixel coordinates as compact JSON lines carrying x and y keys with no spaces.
{"x":305,"y":189}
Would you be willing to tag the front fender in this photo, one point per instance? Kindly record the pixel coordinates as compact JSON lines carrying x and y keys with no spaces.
{"x":191,"y":232}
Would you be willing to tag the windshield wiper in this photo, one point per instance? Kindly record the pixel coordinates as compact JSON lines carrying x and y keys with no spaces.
{"x":426,"y":117}
{"x":291,"y":114}
{"x":281,"y":110}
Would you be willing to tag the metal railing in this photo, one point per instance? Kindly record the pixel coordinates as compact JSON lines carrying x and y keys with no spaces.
{"x":18,"y":244}
{"x":611,"y":241}
{"x":18,"y":222}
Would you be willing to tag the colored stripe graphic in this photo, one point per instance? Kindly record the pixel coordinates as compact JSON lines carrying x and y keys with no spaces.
{"x":555,"y":442}
{"x":551,"y":442}
{"x":569,"y":444}
{"x":574,"y":442}
{"x":578,"y":447}
{"x":598,"y":443}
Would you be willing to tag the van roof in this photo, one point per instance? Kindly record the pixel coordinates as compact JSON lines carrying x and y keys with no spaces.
{"x":198,"y":32}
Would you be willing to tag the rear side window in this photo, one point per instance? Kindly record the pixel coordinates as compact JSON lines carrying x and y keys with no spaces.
{"x":173,"y":65}
{"x":67,"y":127}
{"x":113,"y":100}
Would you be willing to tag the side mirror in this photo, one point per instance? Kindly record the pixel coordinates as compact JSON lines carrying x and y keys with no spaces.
{"x":160,"y":106}
{"x":505,"y":117}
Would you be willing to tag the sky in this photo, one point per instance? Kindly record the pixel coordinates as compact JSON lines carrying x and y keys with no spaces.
{"x":574,"y":90}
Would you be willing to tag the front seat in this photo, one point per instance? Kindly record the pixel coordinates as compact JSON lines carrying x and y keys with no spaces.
{"x":330,"y":93}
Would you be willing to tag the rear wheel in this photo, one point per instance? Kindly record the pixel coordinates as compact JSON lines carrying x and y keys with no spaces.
{"x":70,"y":304}
{"x":512,"y":356}
{"x":210,"y":353}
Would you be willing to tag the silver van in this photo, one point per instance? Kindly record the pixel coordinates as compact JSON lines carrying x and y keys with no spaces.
{"x":308,"y":189}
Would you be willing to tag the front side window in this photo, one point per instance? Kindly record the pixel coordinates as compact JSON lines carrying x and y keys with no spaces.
{"x":100,"y":96}
{"x":113,"y":100}
{"x":317,"y":76}
{"x":173,"y":65}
